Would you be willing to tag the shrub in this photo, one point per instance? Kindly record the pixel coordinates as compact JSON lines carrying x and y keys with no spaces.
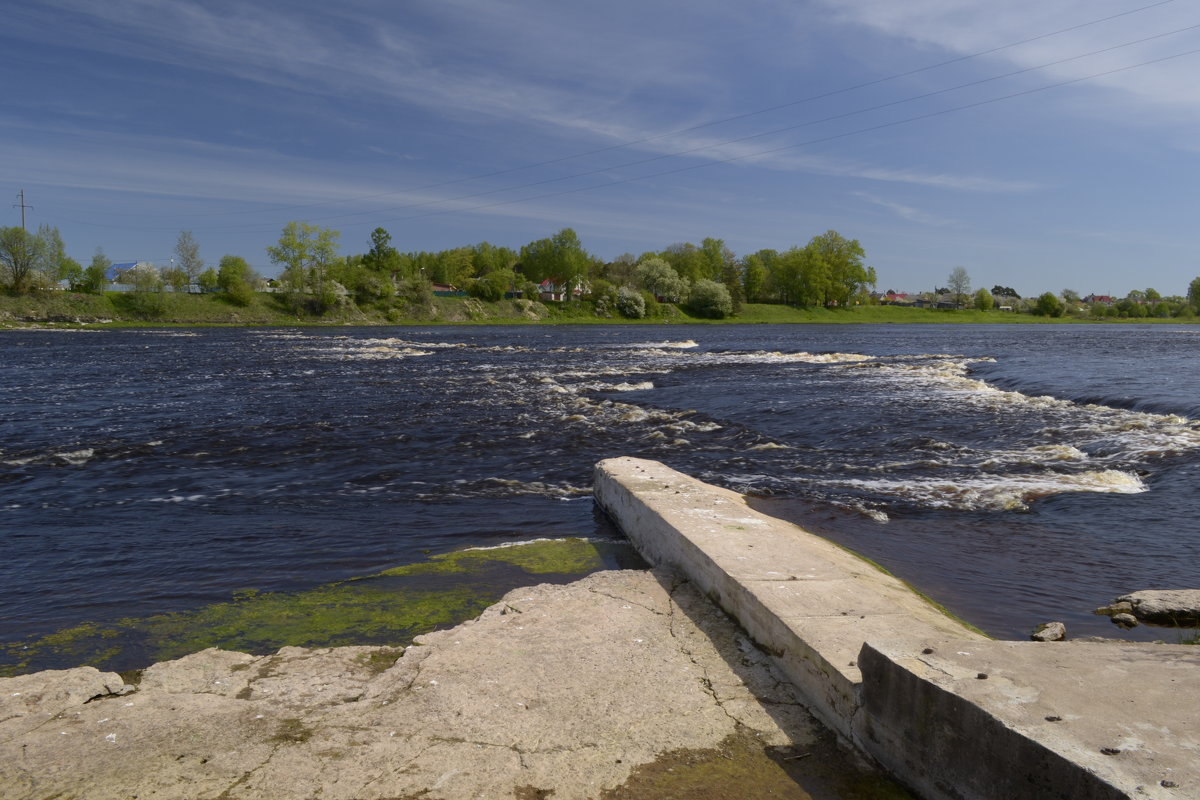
{"x":604,"y":297}
{"x":492,"y":286}
{"x":1048,"y":305}
{"x":240,"y":293}
{"x":144,"y":305}
{"x":710,"y":299}
{"x":630,"y":303}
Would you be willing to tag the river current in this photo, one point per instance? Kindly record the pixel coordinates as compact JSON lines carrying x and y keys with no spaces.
{"x":1016,"y":474}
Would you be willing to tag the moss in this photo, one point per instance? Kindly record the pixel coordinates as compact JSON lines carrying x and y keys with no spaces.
{"x":566,"y":556}
{"x":935,"y":605}
{"x":292,"y":731}
{"x":386,"y":608}
{"x":381,"y":660}
{"x":742,"y":767}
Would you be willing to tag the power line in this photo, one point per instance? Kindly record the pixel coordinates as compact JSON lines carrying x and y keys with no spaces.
{"x":748,"y":137}
{"x":822,"y":140}
{"x":21,"y":203}
{"x":712,"y":123}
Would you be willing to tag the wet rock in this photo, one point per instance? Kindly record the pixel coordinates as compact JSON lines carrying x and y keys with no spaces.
{"x":1125,"y":620}
{"x":587,"y":683}
{"x":1174,"y":607}
{"x":1050,"y":632}
{"x":1120,"y":607}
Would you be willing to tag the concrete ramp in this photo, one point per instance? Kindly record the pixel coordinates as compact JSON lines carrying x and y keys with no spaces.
{"x":902,"y":680}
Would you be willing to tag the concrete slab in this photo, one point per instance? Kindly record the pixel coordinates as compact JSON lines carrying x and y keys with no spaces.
{"x":1078,"y":720}
{"x":741,"y":558}
{"x":951,"y":713}
{"x":581,"y":691}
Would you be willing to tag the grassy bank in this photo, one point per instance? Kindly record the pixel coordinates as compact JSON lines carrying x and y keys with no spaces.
{"x":137,"y":308}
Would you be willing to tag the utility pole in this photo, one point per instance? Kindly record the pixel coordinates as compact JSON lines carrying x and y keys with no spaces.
{"x":21,"y":204}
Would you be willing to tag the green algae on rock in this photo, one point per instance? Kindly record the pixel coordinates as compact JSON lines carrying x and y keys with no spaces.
{"x":388,"y":608}
{"x":743,"y":766}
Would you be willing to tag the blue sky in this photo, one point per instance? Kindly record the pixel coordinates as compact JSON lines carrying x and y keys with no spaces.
{"x":638,"y":123}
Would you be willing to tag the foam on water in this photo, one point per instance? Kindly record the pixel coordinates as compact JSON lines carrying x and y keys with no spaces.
{"x":358,"y":444}
{"x":999,"y":493}
{"x":686,"y":344}
{"x":77,"y":457}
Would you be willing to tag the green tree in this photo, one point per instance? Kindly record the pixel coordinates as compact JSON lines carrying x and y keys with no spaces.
{"x":493,"y":285}
{"x":95,"y":277}
{"x":984,"y":300}
{"x":658,"y":277}
{"x":687,"y":261}
{"x":786,"y":277}
{"x":959,"y":284}
{"x":1193,"y":294}
{"x":71,"y":271}
{"x":233,"y":270}
{"x":715,"y":259}
{"x":21,"y":257}
{"x":488,"y":257}
{"x":754,"y":277}
{"x":56,"y":264}
{"x":710,"y":299}
{"x":620,"y":270}
{"x":382,"y":257}
{"x":721,"y":265}
{"x":560,"y":257}
{"x":306,"y":252}
{"x":187,"y":250}
{"x":832,"y":271}
{"x":176,"y":277}
{"x":208,"y":280}
{"x":1048,"y":305}
{"x":236,"y":278}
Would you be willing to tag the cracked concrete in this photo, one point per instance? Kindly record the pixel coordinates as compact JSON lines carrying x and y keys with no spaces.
{"x":948,"y":712}
{"x":563,"y":688}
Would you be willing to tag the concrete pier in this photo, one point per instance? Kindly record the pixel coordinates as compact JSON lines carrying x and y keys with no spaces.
{"x":950,"y":713}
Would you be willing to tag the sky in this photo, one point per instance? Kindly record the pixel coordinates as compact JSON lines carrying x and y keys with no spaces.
{"x":1041,"y":146}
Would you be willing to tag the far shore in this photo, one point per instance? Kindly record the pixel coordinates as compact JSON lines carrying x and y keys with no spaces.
{"x":119,"y":309}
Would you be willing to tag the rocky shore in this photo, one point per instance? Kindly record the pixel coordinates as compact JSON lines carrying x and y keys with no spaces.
{"x":623,"y":684}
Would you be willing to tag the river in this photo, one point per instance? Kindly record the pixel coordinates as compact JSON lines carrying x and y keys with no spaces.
{"x":1017,"y":474}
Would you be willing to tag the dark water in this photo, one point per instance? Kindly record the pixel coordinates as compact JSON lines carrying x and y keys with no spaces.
{"x":1015,"y":473}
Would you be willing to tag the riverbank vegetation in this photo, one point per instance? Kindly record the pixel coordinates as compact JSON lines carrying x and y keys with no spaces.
{"x":122,"y":309}
{"x":553,"y":280}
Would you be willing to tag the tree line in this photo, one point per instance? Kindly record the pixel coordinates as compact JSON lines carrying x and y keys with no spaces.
{"x":1137,"y":304}
{"x":708,"y":278}
{"x":37,"y":261}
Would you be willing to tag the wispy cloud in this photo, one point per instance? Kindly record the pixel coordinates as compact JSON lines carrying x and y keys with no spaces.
{"x":906,"y":212}
{"x":965,"y":27}
{"x":472,"y":62}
